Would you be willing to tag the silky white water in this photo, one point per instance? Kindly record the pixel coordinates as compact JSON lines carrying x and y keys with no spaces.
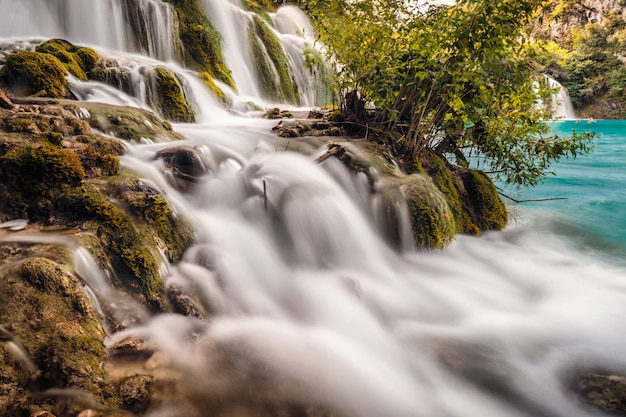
{"x":310,"y":306}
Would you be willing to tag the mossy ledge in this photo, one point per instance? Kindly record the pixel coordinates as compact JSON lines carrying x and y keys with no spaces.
{"x":28,"y":73}
{"x":201,"y":41}
{"x":168,"y":96}
{"x":39,"y":296}
{"x":71,"y":184}
{"x":271,"y":63}
{"x":78,"y":60}
{"x":65,"y":178}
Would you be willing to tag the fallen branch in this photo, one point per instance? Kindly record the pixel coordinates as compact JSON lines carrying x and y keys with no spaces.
{"x":530,"y":200}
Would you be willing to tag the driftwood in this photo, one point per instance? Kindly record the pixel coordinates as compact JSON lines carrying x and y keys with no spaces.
{"x":500,"y":191}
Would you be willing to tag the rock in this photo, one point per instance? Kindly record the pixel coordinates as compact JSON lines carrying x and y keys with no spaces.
{"x":134,"y":392}
{"x":602,"y":390}
{"x":5,"y":102}
{"x":186,"y":163}
{"x":62,"y":342}
{"x":30,"y":73}
{"x":42,"y":414}
{"x":315,"y":114}
{"x":431,"y":220}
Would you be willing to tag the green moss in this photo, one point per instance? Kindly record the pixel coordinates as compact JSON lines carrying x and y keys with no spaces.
{"x":261,"y":8}
{"x":131,"y":255}
{"x":54,"y":138}
{"x":271,"y":63}
{"x":40,"y":171}
{"x":149,"y":208}
{"x":168,"y":96}
{"x":432,"y":221}
{"x":435,"y":166}
{"x":488,"y":211}
{"x":79,"y":61}
{"x":44,"y":275}
{"x":129,"y":123}
{"x":201,"y":41}
{"x":97,"y":164}
{"x":48,"y":313}
{"x":102,"y":144}
{"x":27,"y":73}
{"x":208,"y":81}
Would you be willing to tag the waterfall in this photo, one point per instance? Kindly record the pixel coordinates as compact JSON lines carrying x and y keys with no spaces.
{"x":146,"y":26}
{"x":560,"y":101}
{"x":309,"y":306}
{"x":230,"y":20}
{"x":298,"y":37}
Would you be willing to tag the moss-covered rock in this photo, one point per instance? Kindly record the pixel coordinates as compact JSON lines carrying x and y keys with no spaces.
{"x":432,"y":221}
{"x":201,"y":42}
{"x":271,"y":63}
{"x":482,"y":202}
{"x":131,"y":255}
{"x":217,"y":92}
{"x":33,"y":177}
{"x":170,"y":232}
{"x":78,"y":60}
{"x":261,"y":8}
{"x":437,"y":168}
{"x":128,"y":123}
{"x":26,"y":73}
{"x":169,"y":97}
{"x":38,"y":297}
{"x":109,"y":72}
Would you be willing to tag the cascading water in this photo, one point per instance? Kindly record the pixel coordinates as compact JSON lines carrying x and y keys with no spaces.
{"x":146,"y":26}
{"x":561,"y":102}
{"x":236,"y":26}
{"x":311,"y":307}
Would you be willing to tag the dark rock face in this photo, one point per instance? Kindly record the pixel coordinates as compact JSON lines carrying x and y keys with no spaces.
{"x":186,"y":163}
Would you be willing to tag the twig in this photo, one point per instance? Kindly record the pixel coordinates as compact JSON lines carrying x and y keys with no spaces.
{"x":265,"y":194}
{"x":529,"y":200}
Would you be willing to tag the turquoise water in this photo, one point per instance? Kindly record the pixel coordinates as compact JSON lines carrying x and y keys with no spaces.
{"x":592,"y":215}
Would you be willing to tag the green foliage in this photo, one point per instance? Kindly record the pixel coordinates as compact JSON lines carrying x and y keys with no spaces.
{"x":168,"y":96}
{"x":616,"y":83}
{"x":452,"y":79}
{"x":27,"y":73}
{"x":271,"y":63}
{"x":201,"y":41}
{"x":591,"y":59}
{"x":78,"y":60}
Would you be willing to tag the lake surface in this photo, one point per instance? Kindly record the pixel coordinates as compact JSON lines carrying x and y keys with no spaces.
{"x":592,"y":214}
